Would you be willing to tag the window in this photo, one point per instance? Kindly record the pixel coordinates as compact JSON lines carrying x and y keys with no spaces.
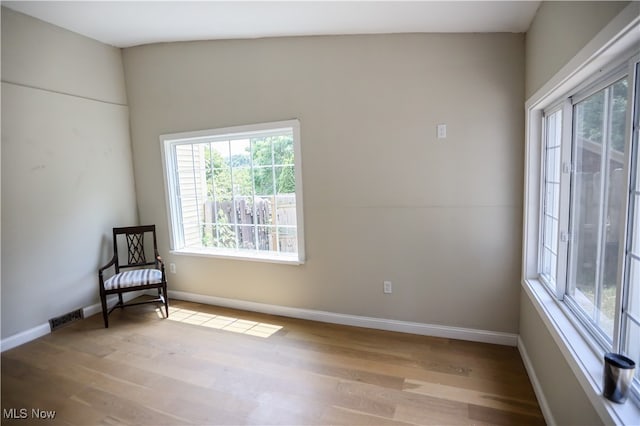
{"x":236,"y":192}
{"x":589,"y":244}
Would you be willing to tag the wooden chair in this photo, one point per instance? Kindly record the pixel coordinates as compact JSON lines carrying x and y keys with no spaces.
{"x":140,"y":274}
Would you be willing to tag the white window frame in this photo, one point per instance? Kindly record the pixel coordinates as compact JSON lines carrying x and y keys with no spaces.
{"x":169,"y":141}
{"x":614,"y":45}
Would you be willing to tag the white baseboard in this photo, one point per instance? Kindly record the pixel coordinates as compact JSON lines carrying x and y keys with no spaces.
{"x":537,"y":387}
{"x":484,"y":336}
{"x":44,"y":329}
{"x":24,"y":337}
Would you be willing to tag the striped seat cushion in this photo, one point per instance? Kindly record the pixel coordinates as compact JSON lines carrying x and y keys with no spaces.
{"x":134,"y":278}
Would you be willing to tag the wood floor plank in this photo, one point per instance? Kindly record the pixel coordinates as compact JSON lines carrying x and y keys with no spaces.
{"x":344,"y":416}
{"x":212,"y":365}
{"x":439,"y":413}
{"x":502,"y":417}
{"x":484,"y":399}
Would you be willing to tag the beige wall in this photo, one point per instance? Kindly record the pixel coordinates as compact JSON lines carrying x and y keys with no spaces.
{"x":384,"y":200}
{"x":66,"y":168}
{"x":559,"y":30}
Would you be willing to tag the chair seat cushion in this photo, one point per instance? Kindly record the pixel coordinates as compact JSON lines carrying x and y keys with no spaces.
{"x":134,"y":278}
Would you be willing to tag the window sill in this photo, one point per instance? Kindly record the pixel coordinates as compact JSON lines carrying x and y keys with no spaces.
{"x":252,"y":256}
{"x":586,"y":363}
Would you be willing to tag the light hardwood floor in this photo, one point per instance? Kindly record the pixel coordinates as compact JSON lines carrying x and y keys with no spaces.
{"x":211,"y":365}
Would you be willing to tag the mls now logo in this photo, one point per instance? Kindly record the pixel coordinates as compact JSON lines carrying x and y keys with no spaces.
{"x":23,"y":413}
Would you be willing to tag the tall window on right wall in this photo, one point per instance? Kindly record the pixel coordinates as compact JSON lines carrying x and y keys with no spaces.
{"x":589,"y":247}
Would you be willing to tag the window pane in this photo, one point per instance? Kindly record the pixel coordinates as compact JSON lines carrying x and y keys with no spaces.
{"x":597,"y":205}
{"x":208,"y":220}
{"x":546,"y":263}
{"x":553,"y":164}
{"x":634,"y":288}
{"x":264,"y":210}
{"x":262,"y":154}
{"x":191,"y":178}
{"x":263,"y":180}
{"x":287,"y":240}
{"x":286,"y":209}
{"x":208,"y":233}
{"x":240,"y":152}
{"x":283,"y":150}
{"x":632,"y":345}
{"x":246,"y":237}
{"x":285,"y":180}
{"x":549,"y":199}
{"x":225,"y":236}
{"x":219,"y":220}
{"x":266,"y":238}
{"x":635,"y":235}
{"x":617,"y":130}
{"x":192,"y":233}
{"x":588,"y":118}
{"x":553,"y":260}
{"x":242,"y":181}
{"x":218,"y":170}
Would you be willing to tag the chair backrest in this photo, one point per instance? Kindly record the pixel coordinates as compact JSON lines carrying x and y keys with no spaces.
{"x":134,"y":236}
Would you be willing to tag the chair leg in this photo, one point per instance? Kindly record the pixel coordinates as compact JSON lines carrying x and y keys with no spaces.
{"x":105,"y":312}
{"x":120,"y":301}
{"x":166,"y":299}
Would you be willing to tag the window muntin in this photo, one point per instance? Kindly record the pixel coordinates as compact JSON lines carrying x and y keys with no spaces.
{"x":236,"y":191}
{"x":597,"y":205}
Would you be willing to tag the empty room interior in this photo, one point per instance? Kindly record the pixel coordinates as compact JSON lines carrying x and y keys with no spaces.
{"x":366,"y":212}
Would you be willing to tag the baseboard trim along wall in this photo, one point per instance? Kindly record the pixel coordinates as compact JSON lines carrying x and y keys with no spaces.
{"x":537,"y":387}
{"x":24,"y":337}
{"x":473,"y":335}
{"x":484,"y":336}
{"x":44,"y":329}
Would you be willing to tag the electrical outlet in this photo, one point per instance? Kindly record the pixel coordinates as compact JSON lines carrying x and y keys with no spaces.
{"x":387,"y":287}
{"x":172,"y":268}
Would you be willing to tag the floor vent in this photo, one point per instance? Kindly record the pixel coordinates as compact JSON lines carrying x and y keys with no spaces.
{"x":62,"y":320}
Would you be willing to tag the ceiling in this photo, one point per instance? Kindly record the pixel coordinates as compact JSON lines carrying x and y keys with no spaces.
{"x":131,"y":23}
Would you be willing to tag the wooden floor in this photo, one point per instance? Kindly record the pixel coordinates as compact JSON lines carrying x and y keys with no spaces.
{"x":210,"y":365}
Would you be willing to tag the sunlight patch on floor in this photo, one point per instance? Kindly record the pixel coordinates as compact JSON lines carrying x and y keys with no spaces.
{"x":235,"y":325}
